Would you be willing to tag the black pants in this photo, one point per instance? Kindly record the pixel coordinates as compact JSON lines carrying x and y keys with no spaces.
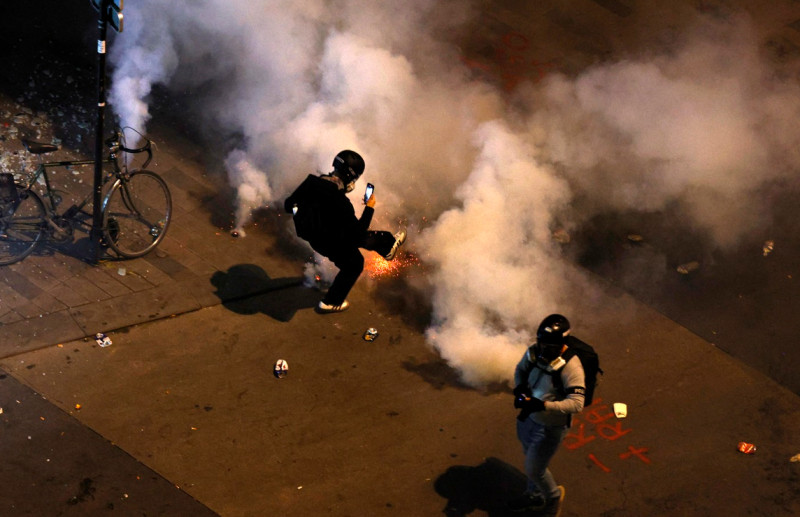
{"x":350,"y":262}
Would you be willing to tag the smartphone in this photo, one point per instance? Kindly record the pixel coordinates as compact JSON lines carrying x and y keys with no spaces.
{"x":368,"y":192}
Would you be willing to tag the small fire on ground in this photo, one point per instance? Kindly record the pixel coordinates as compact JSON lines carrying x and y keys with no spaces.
{"x":378,"y":267}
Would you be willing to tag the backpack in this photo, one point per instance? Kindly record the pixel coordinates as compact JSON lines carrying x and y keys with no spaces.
{"x":308,"y":221}
{"x":590,"y":362}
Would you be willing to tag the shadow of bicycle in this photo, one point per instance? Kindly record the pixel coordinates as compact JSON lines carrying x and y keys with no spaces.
{"x":248,"y":289}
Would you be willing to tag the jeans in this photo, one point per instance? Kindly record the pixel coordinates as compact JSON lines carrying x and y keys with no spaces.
{"x":539,"y":444}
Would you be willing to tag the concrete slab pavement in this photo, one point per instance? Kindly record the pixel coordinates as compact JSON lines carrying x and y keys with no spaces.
{"x":58,"y":295}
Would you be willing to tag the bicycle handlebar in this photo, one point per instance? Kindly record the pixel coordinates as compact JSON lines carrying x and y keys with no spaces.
{"x":146,"y":148}
{"x":114,"y":141}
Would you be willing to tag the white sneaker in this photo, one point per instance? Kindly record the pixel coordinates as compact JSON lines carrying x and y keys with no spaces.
{"x":324,"y":308}
{"x":399,"y":239}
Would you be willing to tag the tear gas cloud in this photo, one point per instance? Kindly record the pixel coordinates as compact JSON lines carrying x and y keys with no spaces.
{"x":706,"y":124}
{"x":481,"y":181}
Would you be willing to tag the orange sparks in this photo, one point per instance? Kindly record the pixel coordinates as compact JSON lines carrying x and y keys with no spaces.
{"x":378,"y":267}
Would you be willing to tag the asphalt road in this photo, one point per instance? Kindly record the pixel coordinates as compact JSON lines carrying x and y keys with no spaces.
{"x":385,"y":428}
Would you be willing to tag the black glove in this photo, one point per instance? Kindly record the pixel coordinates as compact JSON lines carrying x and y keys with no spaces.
{"x":527,"y":406}
{"x":521,"y":389}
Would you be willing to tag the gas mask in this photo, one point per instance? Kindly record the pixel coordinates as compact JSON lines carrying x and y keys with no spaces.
{"x":548,"y":355}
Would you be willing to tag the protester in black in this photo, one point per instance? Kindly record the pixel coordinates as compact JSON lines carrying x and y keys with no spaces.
{"x":325,"y":217}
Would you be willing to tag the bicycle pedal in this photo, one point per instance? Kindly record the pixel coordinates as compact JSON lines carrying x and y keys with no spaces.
{"x":61,"y":230}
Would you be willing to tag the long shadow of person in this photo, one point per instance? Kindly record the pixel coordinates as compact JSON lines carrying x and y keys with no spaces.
{"x":248,"y":289}
{"x":486,"y":487}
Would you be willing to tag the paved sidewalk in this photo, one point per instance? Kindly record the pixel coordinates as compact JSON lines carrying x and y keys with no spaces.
{"x":57,"y":295}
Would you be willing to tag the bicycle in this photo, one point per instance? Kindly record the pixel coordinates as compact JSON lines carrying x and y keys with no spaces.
{"x":136,"y":209}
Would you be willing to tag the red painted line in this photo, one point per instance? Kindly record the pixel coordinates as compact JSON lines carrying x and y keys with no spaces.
{"x":597,"y":462}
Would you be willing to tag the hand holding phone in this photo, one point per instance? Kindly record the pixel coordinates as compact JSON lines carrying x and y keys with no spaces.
{"x":368,"y":192}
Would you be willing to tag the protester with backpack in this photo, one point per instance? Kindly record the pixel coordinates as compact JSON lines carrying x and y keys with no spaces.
{"x":324,"y":216}
{"x":550,"y":387}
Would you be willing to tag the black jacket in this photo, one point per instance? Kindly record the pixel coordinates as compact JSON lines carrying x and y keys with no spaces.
{"x":325,"y":216}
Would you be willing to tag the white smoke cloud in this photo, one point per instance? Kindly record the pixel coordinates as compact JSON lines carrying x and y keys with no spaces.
{"x":704,"y":123}
{"x":707,"y":124}
{"x":252,"y":188}
{"x":497,"y":266}
{"x":152,"y":59}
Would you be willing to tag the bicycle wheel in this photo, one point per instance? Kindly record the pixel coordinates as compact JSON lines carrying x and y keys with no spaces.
{"x":22,"y":226}
{"x":136,"y":214}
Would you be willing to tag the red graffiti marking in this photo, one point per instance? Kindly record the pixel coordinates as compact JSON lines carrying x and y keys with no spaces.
{"x":597,"y":462}
{"x":597,"y":414}
{"x":576,"y":440}
{"x":475,"y":65}
{"x":511,"y":63}
{"x":638,"y":452}
{"x":612,"y":432}
{"x":516,"y":41}
{"x":599,"y":421}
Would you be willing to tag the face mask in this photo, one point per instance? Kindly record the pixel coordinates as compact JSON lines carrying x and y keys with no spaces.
{"x":548,"y":352}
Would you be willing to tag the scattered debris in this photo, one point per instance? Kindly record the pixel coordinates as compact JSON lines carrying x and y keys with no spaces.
{"x":122,"y":271}
{"x":102,"y":339}
{"x":281,"y":369}
{"x":371,"y":334}
{"x":620,"y":409}
{"x":634,"y":237}
{"x":78,"y":407}
{"x":793,"y":459}
{"x":747,"y":448}
{"x":687,"y":268}
{"x":768,"y":247}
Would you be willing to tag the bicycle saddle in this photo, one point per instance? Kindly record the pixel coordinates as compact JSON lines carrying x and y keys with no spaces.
{"x":39,"y":147}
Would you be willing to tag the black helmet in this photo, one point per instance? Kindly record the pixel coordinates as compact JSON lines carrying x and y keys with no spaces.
{"x":348,"y":166}
{"x":551,"y":336}
{"x":553,"y":330}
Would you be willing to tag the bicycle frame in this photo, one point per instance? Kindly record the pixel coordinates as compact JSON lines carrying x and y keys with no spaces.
{"x":136,"y":206}
{"x":41,"y":171}
{"x":114,"y":146}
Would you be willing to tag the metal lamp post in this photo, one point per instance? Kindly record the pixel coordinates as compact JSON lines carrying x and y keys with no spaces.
{"x":110,"y":13}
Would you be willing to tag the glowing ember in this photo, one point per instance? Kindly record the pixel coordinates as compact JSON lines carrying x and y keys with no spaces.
{"x":377,"y":266}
